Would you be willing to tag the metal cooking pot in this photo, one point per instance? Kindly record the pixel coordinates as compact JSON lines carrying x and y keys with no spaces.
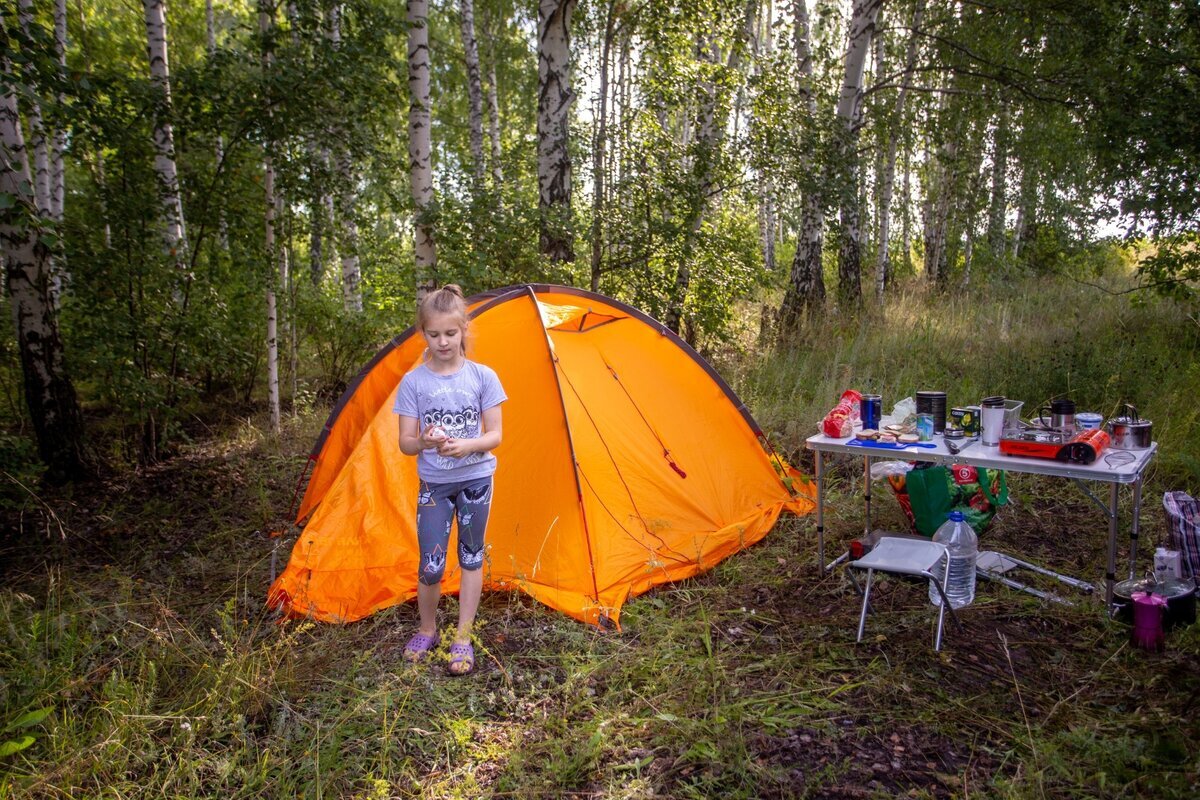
{"x":1130,"y":432}
{"x":1180,"y":595}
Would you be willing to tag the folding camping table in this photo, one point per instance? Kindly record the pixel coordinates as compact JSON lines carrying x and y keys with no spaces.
{"x":1116,"y":471}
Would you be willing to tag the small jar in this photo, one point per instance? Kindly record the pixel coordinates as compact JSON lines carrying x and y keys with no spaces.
{"x":925,"y":427}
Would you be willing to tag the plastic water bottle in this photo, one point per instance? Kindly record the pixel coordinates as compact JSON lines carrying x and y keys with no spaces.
{"x":963,"y":547}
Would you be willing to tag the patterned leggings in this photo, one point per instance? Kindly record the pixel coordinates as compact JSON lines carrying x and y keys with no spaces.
{"x":436,"y":506}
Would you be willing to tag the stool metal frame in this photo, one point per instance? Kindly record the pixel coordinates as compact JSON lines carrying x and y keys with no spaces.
{"x":906,"y":556}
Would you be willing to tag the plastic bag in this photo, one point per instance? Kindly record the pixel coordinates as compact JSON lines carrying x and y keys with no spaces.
{"x":886,"y":469}
{"x":903,"y":413}
{"x":928,"y":493}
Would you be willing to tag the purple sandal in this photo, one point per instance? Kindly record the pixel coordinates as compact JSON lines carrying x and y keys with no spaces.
{"x":419,"y":646}
{"x":462,"y":659}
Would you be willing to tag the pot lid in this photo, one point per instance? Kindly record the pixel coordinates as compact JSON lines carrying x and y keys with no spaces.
{"x":1170,"y":588}
{"x":1132,"y":423}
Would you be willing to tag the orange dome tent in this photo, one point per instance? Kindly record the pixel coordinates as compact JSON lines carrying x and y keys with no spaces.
{"x":627,"y":462}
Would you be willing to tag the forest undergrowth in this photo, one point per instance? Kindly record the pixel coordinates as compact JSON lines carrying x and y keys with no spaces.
{"x":137,"y":658}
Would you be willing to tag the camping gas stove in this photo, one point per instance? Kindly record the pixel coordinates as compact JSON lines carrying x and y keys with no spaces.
{"x":1082,"y":447}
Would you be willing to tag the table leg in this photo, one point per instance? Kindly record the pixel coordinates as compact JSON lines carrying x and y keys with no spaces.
{"x":867,"y":494}
{"x":1111,"y":575}
{"x":1133,"y":536}
{"x":820,"y":512}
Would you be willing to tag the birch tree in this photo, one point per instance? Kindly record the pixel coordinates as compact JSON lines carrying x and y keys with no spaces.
{"x":599,"y":146}
{"x":998,"y":206}
{"x":710,"y":135}
{"x":49,"y":392}
{"x":58,"y":172}
{"x":266,"y":25}
{"x":888,"y":177}
{"x":466,"y":9}
{"x":38,"y":136}
{"x":210,"y":29}
{"x":352,"y":299}
{"x":420,"y":156}
{"x":493,"y":124}
{"x":806,"y":281}
{"x":555,"y":97}
{"x":764,"y":51}
{"x":174,"y":236}
{"x":849,"y":111}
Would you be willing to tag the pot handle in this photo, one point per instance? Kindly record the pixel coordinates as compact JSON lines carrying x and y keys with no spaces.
{"x":1132,"y":413}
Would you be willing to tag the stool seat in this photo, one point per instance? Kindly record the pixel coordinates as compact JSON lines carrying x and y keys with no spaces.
{"x":920,"y":558}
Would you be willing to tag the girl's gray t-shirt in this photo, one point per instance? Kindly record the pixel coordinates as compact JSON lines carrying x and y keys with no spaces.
{"x":456,"y":403}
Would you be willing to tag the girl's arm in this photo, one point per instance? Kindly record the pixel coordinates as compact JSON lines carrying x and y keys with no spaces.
{"x":489,"y":440}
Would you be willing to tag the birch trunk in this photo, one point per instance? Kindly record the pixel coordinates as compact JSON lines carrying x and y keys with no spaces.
{"x":1026,"y":211}
{"x":58,"y":173}
{"x":420,"y":165}
{"x":493,"y":101}
{"x":219,"y":148}
{"x":766,"y":183}
{"x":324,"y":216}
{"x":906,"y":210}
{"x":946,"y":172}
{"x":351,"y":270}
{"x":849,"y":111}
{"x":266,"y":21}
{"x":998,"y":208}
{"x":806,"y":281}
{"x":49,"y":392}
{"x":555,"y":98}
{"x":599,"y":149}
{"x":174,"y":237}
{"x":887,"y":181}
{"x":710,"y":133}
{"x":38,"y":137}
{"x":474,"y":90}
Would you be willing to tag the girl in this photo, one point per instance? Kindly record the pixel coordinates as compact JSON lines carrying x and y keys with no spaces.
{"x":449,"y":410}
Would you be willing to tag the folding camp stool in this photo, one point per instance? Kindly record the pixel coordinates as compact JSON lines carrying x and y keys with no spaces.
{"x":920,"y":558}
{"x":992,"y":565}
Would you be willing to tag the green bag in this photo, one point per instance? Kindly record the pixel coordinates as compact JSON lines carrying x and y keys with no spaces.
{"x":929,"y":494}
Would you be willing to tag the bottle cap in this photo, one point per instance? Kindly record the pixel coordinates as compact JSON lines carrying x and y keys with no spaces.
{"x":956,"y":516}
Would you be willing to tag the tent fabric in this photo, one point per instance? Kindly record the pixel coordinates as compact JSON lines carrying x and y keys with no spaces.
{"x":626,"y":462}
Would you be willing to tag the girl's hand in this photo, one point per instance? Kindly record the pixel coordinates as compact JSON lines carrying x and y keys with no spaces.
{"x":433,"y":436}
{"x":455,"y":448}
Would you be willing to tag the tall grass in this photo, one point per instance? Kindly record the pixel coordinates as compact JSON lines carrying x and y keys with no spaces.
{"x":143,"y":631}
{"x":1032,"y":341}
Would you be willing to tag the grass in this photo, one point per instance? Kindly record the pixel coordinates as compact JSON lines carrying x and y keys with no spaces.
{"x":133,"y":612}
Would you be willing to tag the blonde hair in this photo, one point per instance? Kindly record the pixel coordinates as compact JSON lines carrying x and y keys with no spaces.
{"x":446,"y":300}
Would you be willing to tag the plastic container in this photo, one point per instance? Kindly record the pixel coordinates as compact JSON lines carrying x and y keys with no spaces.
{"x":963,"y":547}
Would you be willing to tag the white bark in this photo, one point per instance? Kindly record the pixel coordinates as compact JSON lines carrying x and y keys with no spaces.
{"x":351,"y":271}
{"x":887,"y":181}
{"x":175,"y":237}
{"x":806,"y":281}
{"x":999,"y":200}
{"x":710,"y":133}
{"x":38,"y":136}
{"x":849,"y":111}
{"x":49,"y":393}
{"x":211,"y":30}
{"x":555,"y":98}
{"x":420,"y":161}
{"x":494,"y":126}
{"x":474,"y":89}
{"x":766,"y":184}
{"x":266,"y":22}
{"x":58,"y":174}
{"x":599,"y":144}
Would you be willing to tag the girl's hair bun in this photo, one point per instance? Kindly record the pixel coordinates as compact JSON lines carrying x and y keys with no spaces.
{"x":453,"y":288}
